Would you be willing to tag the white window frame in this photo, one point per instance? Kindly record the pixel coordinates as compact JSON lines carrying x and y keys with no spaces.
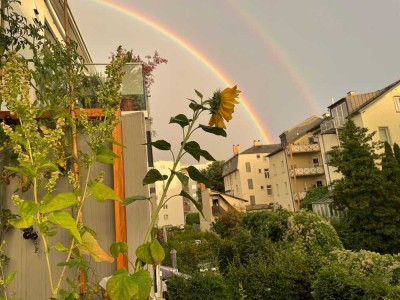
{"x":266,"y":173}
{"x":386,"y":130}
{"x":396,"y":100}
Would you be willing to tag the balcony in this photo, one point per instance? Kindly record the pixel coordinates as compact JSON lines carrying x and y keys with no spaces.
{"x":306,"y":171}
{"x":217,"y":210}
{"x":133,"y":95}
{"x":308,"y":148}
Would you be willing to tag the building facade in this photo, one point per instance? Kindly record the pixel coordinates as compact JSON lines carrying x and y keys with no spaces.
{"x":247,"y":174}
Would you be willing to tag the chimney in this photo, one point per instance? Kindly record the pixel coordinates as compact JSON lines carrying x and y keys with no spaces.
{"x":236,"y":149}
{"x":257,"y":143}
{"x":351,"y":93}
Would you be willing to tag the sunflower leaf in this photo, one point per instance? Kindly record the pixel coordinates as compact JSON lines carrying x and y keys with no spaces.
{"x":195,"y":106}
{"x":196,"y":203}
{"x":199,"y":94}
{"x":152,"y":176}
{"x":197,"y":176}
{"x":160,"y":145}
{"x":182,"y":178}
{"x":180,"y":119}
{"x":213,"y":130}
{"x":193,"y":148}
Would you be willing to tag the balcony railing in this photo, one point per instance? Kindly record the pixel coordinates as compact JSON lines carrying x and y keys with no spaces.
{"x":306,"y":171}
{"x":306,"y":148}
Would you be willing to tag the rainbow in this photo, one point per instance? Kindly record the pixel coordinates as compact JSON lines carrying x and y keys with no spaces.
{"x":257,"y":121}
{"x":270,"y":44}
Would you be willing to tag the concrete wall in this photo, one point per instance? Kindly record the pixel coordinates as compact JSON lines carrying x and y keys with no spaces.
{"x":135,"y":168}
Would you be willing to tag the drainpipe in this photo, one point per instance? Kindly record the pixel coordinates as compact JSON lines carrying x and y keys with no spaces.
{"x":55,"y":18}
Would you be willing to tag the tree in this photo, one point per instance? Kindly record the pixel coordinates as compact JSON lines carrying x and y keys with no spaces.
{"x":313,"y":195}
{"x":193,"y":218}
{"x":214,"y":173}
{"x":396,"y":150}
{"x":361,"y":192}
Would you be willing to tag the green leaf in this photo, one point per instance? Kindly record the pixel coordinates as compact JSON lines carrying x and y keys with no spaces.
{"x":144,"y":254}
{"x":59,"y":202}
{"x":193,"y":148}
{"x":182,"y":178}
{"x":132,"y":199}
{"x":121,"y":286}
{"x":180,"y":119}
{"x":199,"y":94}
{"x":157,"y":252}
{"x":10,"y":277}
{"x":143,"y":280}
{"x":101,"y":192}
{"x":197,"y":176}
{"x":196,"y":203}
{"x":118,"y":247}
{"x":22,"y":171}
{"x":105,"y":155}
{"x":60,"y":247}
{"x":49,"y":166}
{"x":27,"y":210}
{"x":66,"y":221}
{"x":152,"y":176}
{"x":213,"y":130}
{"x":195,"y":106}
{"x":160,"y":144}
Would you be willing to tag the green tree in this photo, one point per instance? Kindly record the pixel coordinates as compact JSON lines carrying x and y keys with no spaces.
{"x":361,"y":190}
{"x":396,"y":150}
{"x":193,"y":218}
{"x":228,"y":224}
{"x":313,"y":195}
{"x":214,"y":173}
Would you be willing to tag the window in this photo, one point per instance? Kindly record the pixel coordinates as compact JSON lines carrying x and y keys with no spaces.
{"x":384,"y":134}
{"x":315,"y":162}
{"x":262,"y":187}
{"x":265,"y":158}
{"x":194,"y":186}
{"x":250,"y":184}
{"x":274,"y":167}
{"x":266,"y":173}
{"x":339,"y":113}
{"x":248,"y":167}
{"x":397,"y":103}
{"x":252,"y":200}
{"x":318,"y":183}
{"x":277,"y":189}
{"x":258,"y":156}
{"x":259,"y":171}
{"x":165,"y":206}
{"x":269,"y":190}
{"x":165,"y":217}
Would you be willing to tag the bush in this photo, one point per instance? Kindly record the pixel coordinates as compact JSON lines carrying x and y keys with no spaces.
{"x":201,"y":286}
{"x":358,"y":275}
{"x":193,"y":218}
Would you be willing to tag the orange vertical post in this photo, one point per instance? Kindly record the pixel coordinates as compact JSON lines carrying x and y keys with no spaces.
{"x":119,"y":187}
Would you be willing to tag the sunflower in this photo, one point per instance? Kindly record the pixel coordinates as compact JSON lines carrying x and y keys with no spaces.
{"x":222,"y":106}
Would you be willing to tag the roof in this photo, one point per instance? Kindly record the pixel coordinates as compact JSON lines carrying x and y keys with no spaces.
{"x":300,"y":129}
{"x":261,"y":149}
{"x":357,"y":101}
{"x":231,"y":164}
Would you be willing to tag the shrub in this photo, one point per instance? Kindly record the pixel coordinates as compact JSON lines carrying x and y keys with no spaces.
{"x":358,"y":275}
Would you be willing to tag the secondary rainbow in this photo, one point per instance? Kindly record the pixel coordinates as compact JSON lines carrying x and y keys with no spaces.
{"x":258,"y":123}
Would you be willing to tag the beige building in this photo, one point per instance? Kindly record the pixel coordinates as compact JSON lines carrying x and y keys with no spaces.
{"x":215,"y":204}
{"x":172,"y":213}
{"x":377,"y":111}
{"x":296,"y":166}
{"x":247,"y":174}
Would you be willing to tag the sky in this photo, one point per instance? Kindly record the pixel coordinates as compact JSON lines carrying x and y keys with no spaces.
{"x":290,"y":59}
